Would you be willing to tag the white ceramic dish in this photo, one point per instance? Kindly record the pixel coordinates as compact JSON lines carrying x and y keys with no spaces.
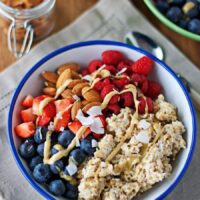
{"x":82,"y":53}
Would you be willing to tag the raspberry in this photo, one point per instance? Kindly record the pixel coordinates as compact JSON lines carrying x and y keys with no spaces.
{"x":94,"y":65}
{"x":112,"y":57}
{"x":125,"y":64}
{"x":106,"y":81}
{"x":127,"y":99}
{"x":84,"y":72}
{"x":142,"y":105}
{"x":144,"y":87}
{"x":143,"y":66}
{"x":120,"y":83}
{"x":139,"y":79}
{"x":154,"y":89}
{"x":150,"y":105}
{"x":107,"y":89}
{"x":111,"y":69}
{"x":115,"y":108}
{"x":98,"y":86}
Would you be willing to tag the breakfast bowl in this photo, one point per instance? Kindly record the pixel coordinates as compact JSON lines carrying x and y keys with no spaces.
{"x":82,"y":53}
{"x":152,"y":7}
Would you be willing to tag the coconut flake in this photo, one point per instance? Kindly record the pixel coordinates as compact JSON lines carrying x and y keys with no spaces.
{"x":51,"y":126}
{"x":121,"y":71}
{"x":87,"y":77}
{"x":94,"y":143}
{"x":85,"y":121}
{"x":76,"y":98}
{"x":94,"y":111}
{"x":142,"y":136}
{"x":71,"y":168}
{"x":143,"y":124}
{"x":103,"y":66}
{"x":97,"y":126}
{"x":62,"y":129}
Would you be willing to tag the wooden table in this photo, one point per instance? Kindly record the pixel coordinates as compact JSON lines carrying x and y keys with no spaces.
{"x":68,"y":10}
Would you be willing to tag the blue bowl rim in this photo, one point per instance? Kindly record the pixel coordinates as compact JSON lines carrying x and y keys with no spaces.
{"x":90,"y":43}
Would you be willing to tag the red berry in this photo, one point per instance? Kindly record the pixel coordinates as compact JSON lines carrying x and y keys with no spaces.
{"x":112,"y":57}
{"x":84,"y":72}
{"x":150,"y":105}
{"x":111,"y":69}
{"x":154,"y":89}
{"x":127,"y":99}
{"x":25,"y":130}
{"x":94,"y":65}
{"x":62,"y":104}
{"x":103,"y":120}
{"x":97,"y":136}
{"x":106,"y":81}
{"x":42,"y":121}
{"x":142,"y":105}
{"x":115,"y":108}
{"x":144,"y":86}
{"x":27,"y":115}
{"x":107,"y":89}
{"x":143,"y":66}
{"x":137,"y":78}
{"x":98,"y":86}
{"x":49,"y":110}
{"x":28,"y":101}
{"x":125,"y":64}
{"x":120,"y":83}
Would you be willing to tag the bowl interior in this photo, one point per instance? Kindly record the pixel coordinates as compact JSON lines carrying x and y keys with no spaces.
{"x":150,"y":4}
{"x":82,"y":53}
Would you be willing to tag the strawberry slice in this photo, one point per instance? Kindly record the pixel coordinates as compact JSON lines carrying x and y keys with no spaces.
{"x":27,"y":115}
{"x":42,"y":121}
{"x":63,"y":104}
{"x":28,"y":101}
{"x":36,"y":103}
{"x":74,"y":127}
{"x":25,"y":130}
{"x":49,"y":110}
{"x":62,"y":121}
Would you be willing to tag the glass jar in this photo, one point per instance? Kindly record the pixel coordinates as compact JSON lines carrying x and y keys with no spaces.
{"x":23,"y":26}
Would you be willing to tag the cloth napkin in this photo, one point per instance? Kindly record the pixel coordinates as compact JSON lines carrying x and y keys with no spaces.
{"x":108,"y":19}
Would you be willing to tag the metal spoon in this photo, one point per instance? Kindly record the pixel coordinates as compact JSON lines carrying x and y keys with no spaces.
{"x":145,"y":42}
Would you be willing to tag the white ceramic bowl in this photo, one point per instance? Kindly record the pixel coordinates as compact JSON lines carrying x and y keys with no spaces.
{"x":82,"y":53}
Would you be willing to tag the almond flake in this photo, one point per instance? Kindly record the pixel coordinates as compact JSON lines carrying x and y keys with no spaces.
{"x":76,"y":98}
{"x":143,"y":124}
{"x":121,"y":71}
{"x":94,"y":143}
{"x":143,"y":137}
{"x":94,"y":111}
{"x":103,"y":66}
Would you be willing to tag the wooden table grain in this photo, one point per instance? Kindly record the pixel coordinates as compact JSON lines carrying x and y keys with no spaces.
{"x":68,"y":10}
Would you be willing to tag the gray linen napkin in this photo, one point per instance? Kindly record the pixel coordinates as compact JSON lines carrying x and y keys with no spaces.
{"x":108,"y":19}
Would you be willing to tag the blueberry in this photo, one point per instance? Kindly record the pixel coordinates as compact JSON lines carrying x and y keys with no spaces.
{"x":177,"y":2}
{"x":183,"y":23}
{"x":162,"y":6}
{"x":86,"y":146}
{"x":174,"y":14}
{"x":191,"y":9}
{"x":27,"y":150}
{"x":57,"y":187}
{"x":30,"y":140}
{"x":40,"y":149}
{"x":65,"y":138}
{"x":78,"y":155}
{"x":57,"y":166}
{"x":194,"y":26}
{"x":35,"y":161}
{"x":40,"y":134}
{"x":71,"y":191}
{"x":42,"y":173}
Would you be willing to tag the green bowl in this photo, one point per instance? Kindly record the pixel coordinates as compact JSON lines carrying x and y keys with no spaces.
{"x":167,"y":22}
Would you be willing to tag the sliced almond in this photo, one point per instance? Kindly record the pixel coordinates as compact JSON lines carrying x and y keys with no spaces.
{"x":89,"y":105}
{"x":75,"y":75}
{"x":49,"y":91}
{"x":72,"y":66}
{"x":67,"y":94}
{"x":75,"y":82}
{"x":50,"y":76}
{"x":92,"y":95}
{"x":78,"y":88}
{"x":66,"y":74}
{"x":75,"y":108}
{"x":49,"y":84}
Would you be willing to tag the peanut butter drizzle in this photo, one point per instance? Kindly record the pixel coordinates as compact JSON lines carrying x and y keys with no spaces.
{"x":44,"y":103}
{"x":65,"y":152}
{"x":62,"y":88}
{"x":47,"y":147}
{"x":68,"y":178}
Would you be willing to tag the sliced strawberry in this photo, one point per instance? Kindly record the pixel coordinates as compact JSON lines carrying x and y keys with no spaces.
{"x":25,"y":130}
{"x":27,"y":115}
{"x":49,"y":110}
{"x":63,"y":120}
{"x":42,"y":121}
{"x":63,"y":104}
{"x":74,"y":127}
{"x":36,"y":103}
{"x":28,"y":101}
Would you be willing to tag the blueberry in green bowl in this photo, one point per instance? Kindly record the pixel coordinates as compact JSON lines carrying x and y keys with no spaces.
{"x":182,"y":16}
